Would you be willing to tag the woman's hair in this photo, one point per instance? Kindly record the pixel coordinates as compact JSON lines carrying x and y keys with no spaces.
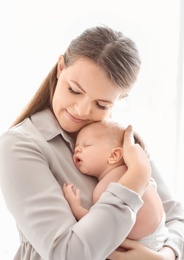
{"x":110,"y":49}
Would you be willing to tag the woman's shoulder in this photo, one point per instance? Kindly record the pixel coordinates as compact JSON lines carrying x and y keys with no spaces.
{"x":40,"y":126}
{"x":19,"y":138}
{"x":24,"y":130}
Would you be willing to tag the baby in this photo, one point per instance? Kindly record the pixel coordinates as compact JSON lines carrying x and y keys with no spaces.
{"x":99,"y":153}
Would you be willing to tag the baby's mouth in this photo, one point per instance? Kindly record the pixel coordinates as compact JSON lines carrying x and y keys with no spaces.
{"x":77,"y":160}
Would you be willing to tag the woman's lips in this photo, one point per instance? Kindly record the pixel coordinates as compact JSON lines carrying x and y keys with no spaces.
{"x":74,"y":119}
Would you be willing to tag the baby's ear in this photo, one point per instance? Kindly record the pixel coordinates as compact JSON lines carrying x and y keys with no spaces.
{"x":116,"y":155}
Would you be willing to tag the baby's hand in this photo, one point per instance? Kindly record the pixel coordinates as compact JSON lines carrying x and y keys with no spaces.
{"x":72,"y":195}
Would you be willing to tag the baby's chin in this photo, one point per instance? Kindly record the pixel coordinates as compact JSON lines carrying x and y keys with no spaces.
{"x":84,"y":171}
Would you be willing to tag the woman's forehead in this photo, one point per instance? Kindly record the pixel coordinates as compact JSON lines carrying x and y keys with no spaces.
{"x":93,"y":79}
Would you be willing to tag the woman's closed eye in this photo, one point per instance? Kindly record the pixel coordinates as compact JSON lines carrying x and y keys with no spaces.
{"x":73,"y":91}
{"x":102,"y":107}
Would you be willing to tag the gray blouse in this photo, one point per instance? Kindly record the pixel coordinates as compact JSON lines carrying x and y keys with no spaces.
{"x":35,"y":161}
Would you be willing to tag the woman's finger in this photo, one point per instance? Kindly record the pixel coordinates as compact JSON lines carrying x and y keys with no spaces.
{"x":130,"y":244}
{"x":116,"y":255}
{"x":128,"y":136}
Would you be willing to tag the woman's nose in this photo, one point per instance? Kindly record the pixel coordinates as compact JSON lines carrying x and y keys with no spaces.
{"x":83,"y":107}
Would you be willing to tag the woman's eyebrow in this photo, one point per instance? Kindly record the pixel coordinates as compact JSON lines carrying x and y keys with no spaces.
{"x":106,"y":101}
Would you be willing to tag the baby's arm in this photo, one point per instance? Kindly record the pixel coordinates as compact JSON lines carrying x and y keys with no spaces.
{"x":73,"y":197}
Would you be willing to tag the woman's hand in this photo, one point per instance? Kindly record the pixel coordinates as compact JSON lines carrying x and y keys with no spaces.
{"x":135,"y":250}
{"x":138,"y":173}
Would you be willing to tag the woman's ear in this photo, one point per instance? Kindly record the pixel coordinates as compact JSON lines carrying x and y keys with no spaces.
{"x":116,"y":155}
{"x":60,"y":65}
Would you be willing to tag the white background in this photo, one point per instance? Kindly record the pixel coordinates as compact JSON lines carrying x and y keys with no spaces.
{"x":33,"y":35}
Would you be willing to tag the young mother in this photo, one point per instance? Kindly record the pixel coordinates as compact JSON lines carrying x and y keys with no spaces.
{"x":98,"y":68}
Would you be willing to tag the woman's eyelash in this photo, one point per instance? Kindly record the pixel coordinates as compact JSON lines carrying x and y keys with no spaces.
{"x":78,"y":93}
{"x":73,"y":92}
{"x":101,"y":107}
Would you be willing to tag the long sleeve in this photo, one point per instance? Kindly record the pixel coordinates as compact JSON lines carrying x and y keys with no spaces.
{"x":174,"y":215}
{"x":32,"y":171}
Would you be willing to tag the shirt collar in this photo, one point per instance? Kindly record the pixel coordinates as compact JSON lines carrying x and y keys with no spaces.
{"x":47,"y":124}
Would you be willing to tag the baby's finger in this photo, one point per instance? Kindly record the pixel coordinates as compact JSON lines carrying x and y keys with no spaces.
{"x":64,"y":187}
{"x":68,"y":188}
{"x":78,"y":194}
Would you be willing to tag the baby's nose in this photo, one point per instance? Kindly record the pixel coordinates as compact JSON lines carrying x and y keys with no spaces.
{"x":77,"y":149}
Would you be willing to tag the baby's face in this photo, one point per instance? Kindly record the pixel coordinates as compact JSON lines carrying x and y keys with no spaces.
{"x":91,"y":152}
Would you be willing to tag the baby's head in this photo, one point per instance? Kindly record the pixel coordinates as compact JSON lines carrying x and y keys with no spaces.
{"x":109,"y":131}
{"x":112,"y":132}
{"x":99,"y":146}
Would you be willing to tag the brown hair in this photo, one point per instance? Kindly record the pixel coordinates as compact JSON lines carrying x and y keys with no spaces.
{"x":110,"y":49}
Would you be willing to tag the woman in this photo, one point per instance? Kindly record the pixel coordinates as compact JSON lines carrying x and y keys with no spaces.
{"x":98,"y":68}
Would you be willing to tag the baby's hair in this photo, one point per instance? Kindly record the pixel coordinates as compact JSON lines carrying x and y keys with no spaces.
{"x":109,"y":128}
{"x":113,"y":131}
